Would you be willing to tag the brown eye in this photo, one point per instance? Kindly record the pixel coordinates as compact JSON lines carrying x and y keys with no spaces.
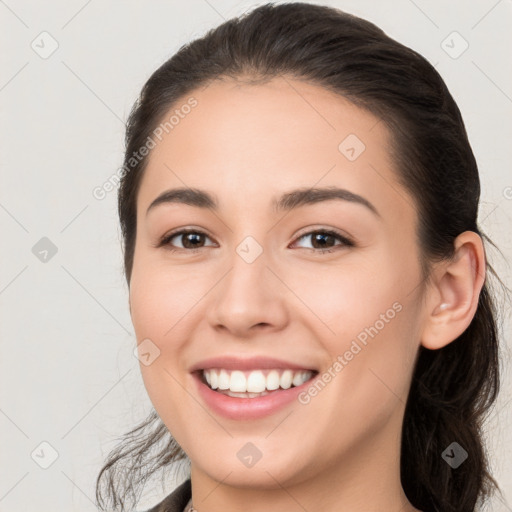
{"x":190,"y":240}
{"x":325,"y":240}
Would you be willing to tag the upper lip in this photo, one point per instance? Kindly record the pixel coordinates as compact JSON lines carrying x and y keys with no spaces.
{"x":252,"y":363}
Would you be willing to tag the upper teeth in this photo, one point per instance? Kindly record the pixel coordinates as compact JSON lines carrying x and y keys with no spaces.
{"x":255,"y":381}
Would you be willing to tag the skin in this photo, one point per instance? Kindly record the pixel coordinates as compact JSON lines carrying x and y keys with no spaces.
{"x":246,"y":144}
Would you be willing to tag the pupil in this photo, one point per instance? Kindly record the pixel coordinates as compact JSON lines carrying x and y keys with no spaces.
{"x":190,"y":236}
{"x":321,"y":238}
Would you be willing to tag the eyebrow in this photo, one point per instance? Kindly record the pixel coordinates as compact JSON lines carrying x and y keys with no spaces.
{"x":286,"y":202}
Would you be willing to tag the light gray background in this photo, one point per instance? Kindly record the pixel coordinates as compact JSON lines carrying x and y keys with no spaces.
{"x":68,"y":373}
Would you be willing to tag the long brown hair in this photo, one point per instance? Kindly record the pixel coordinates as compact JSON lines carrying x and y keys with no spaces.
{"x":452,"y":388}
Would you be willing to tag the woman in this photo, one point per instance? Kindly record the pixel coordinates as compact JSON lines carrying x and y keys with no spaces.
{"x":308,"y":281}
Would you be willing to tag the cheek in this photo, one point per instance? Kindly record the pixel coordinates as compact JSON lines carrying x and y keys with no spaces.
{"x":159,"y":298}
{"x":165,"y":309}
{"x":376,"y":358}
{"x":372,"y":320}
{"x":344,"y":299}
{"x":156,"y":309}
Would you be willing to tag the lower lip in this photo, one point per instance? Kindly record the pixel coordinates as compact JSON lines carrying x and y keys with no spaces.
{"x":247,"y":408}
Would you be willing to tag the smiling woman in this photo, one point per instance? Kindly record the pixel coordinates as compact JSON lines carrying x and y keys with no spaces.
{"x":308,"y":230}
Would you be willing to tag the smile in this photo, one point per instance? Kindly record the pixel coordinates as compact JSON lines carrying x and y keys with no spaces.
{"x":251,"y":384}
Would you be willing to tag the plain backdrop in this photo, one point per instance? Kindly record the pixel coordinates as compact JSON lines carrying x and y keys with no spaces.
{"x":70,"y":71}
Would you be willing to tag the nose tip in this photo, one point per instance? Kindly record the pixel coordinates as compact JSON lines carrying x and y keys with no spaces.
{"x":246,"y":302}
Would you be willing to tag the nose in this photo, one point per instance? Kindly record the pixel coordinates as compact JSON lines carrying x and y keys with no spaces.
{"x":249,"y":297}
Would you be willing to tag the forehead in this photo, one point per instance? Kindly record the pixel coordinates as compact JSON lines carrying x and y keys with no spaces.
{"x":249,"y":142}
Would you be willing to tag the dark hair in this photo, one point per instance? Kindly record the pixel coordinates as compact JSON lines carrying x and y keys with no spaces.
{"x":452,"y":388}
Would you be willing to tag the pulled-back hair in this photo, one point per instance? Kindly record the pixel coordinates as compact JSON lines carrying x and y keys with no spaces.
{"x":452,"y":388}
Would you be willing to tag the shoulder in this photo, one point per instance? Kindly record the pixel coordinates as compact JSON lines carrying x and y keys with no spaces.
{"x":176,"y":501}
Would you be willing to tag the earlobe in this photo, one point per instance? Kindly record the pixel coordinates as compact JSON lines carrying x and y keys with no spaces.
{"x":453,"y":298}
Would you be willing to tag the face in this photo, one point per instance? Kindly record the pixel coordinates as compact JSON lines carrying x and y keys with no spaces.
{"x":317,"y":282}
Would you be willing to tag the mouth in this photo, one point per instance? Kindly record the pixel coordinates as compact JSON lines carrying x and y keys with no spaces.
{"x":253,"y":383}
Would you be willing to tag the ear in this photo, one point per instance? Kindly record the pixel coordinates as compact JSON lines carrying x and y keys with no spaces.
{"x":453,"y":297}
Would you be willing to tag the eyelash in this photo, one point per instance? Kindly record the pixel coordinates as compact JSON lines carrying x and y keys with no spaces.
{"x":165,"y":241}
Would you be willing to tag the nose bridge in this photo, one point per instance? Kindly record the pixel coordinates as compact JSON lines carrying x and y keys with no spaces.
{"x":250,"y":293}
{"x":246,"y":282}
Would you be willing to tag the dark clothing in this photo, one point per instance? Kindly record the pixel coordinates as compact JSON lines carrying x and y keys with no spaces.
{"x":176,"y":501}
